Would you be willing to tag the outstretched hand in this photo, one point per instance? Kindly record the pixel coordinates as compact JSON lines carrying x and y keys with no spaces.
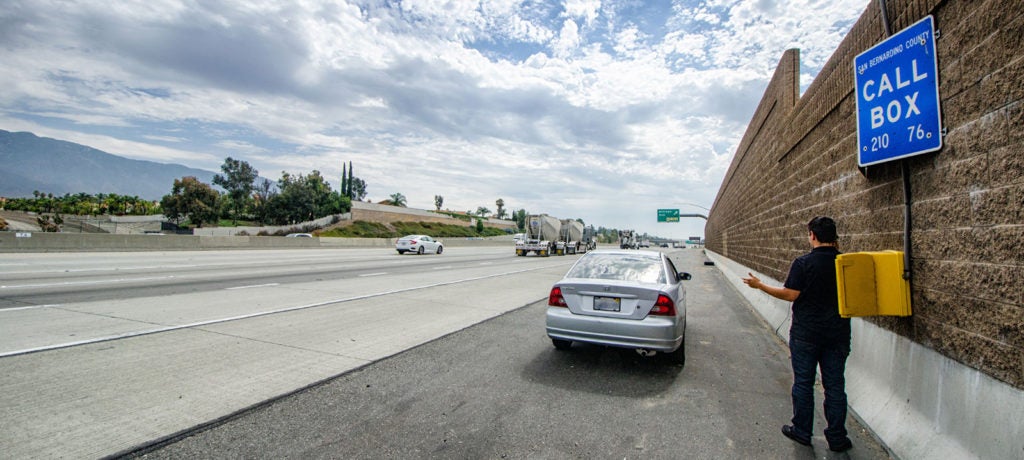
{"x":754,"y":282}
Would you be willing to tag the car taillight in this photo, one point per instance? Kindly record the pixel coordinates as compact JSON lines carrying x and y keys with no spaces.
{"x":555,"y":299}
{"x":414,"y":242}
{"x":664,"y":306}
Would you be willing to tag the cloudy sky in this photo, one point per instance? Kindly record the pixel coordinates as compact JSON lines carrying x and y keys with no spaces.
{"x":600,"y":110}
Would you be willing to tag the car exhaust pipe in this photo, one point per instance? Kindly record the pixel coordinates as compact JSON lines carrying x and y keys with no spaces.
{"x":646,"y":352}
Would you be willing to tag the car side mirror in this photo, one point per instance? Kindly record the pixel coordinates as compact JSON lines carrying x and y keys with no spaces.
{"x":684,"y":276}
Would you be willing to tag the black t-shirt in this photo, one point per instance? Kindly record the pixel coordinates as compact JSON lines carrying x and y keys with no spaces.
{"x":816,"y":310}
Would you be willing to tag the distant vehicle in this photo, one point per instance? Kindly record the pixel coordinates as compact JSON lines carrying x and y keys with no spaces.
{"x":519,"y":237}
{"x":418,"y":244}
{"x":298,"y":235}
{"x":542,"y":236}
{"x":575,"y":238}
{"x":619,"y":298}
{"x":628,"y":240}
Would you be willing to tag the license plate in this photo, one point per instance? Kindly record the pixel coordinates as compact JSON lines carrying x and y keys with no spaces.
{"x":607,"y":303}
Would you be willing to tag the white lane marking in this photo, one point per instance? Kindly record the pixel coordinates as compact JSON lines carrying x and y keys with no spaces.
{"x":446,"y":267}
{"x":257,"y":314}
{"x":82,"y":283}
{"x":373,"y":274}
{"x":31,"y":307}
{"x":251,"y":286}
{"x":103,"y":269}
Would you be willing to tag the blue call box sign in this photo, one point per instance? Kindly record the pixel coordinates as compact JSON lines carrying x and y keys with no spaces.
{"x":897,"y":85}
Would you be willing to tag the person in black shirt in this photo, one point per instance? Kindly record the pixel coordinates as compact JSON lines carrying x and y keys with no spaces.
{"x":818,"y":336}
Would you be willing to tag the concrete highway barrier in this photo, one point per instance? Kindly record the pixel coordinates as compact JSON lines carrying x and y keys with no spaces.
{"x":101,"y":242}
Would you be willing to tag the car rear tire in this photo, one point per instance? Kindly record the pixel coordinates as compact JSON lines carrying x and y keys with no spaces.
{"x":561,"y":344}
{"x":440,"y":249}
{"x":678,"y":356}
{"x":420,"y":250}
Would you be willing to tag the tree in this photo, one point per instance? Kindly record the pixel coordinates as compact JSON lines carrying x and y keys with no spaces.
{"x":299,"y":198}
{"x":304,"y":198}
{"x":237,"y":181}
{"x":357,"y":190}
{"x":501,"y":208}
{"x":438,"y":201}
{"x":351,"y":186}
{"x":192,"y":199}
{"x":520,"y":218}
{"x":482,"y":211}
{"x":397,"y":199}
{"x":264,"y":192}
{"x":344,"y":180}
{"x":480,"y":225}
{"x":351,"y":182}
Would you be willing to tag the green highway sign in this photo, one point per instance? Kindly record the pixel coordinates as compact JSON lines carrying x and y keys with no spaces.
{"x":668,"y":215}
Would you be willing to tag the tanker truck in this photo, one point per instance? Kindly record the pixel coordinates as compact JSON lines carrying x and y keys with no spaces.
{"x":542,"y":236}
{"x":578,"y":239}
{"x":572,"y":236}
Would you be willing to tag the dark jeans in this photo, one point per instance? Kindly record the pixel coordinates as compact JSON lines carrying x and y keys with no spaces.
{"x":806,"y":357}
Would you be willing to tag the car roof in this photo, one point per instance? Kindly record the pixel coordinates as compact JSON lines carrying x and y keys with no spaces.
{"x":646,"y":252}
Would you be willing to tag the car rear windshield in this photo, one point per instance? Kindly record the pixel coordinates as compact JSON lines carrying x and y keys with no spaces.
{"x":625,"y":267}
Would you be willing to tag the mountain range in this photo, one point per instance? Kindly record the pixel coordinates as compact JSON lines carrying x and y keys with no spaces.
{"x":29,"y":163}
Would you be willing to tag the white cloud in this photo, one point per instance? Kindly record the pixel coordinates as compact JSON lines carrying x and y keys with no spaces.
{"x":583,"y":9}
{"x":581,"y":108}
{"x":568,"y":39}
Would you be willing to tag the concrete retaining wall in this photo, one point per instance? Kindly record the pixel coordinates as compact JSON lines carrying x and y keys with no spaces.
{"x":798,"y":159}
{"x":379,"y":213}
{"x":957,"y":363}
{"x":97,"y":242}
{"x":271,"y":229}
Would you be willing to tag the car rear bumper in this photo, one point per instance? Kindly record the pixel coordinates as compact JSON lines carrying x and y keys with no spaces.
{"x":654,"y":332}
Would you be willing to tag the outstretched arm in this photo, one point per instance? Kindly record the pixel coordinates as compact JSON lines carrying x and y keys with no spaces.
{"x":783,"y":293}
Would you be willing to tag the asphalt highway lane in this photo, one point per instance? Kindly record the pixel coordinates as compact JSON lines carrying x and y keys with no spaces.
{"x":32,"y":279}
{"x":500,"y":390}
{"x":114,"y":362}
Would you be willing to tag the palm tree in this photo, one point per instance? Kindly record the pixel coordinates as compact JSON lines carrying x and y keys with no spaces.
{"x":501,"y":208}
{"x":397,"y":199}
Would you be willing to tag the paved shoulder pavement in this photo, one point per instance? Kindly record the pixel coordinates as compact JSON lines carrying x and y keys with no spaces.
{"x":500,"y":390}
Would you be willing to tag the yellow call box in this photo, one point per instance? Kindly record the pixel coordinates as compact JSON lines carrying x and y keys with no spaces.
{"x":872,"y":284}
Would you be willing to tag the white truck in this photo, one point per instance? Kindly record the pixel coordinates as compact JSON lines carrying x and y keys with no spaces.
{"x":572,"y":236}
{"x":578,"y":239}
{"x":628,"y":240}
{"x":542,"y":236}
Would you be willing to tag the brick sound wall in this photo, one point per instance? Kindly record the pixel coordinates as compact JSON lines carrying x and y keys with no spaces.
{"x":798,"y":160}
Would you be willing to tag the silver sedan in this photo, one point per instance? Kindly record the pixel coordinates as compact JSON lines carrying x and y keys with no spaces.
{"x":418,"y":244}
{"x":617,"y":298}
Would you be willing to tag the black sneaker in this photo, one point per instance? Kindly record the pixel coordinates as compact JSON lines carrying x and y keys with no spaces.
{"x":840,"y":446}
{"x":787,"y":430}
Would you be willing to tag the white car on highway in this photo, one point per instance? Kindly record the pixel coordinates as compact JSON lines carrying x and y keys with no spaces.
{"x":418,"y":244}
{"x":620,"y":298}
